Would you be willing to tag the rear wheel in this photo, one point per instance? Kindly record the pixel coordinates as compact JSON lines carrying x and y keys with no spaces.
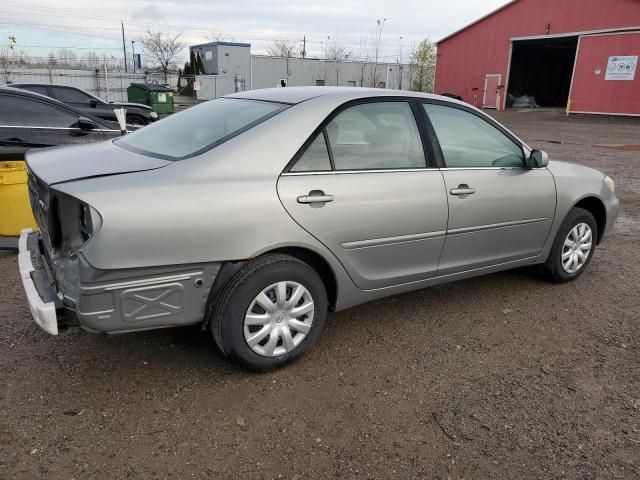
{"x":136,"y":120}
{"x":573,"y":247}
{"x":269,"y":313}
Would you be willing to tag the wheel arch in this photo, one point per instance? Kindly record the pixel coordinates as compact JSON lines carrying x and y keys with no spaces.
{"x":319,"y":264}
{"x":596,"y":207}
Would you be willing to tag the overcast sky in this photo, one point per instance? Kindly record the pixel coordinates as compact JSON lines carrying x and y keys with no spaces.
{"x":41,"y":26}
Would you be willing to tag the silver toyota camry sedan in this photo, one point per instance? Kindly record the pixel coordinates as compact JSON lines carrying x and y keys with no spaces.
{"x":255,"y":214}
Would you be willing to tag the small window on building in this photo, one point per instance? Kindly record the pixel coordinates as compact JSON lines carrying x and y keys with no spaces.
{"x":208,"y":55}
{"x":283,"y":82}
{"x":226,"y":54}
{"x":381,"y":85}
{"x":319,"y":83}
{"x":351,"y":83}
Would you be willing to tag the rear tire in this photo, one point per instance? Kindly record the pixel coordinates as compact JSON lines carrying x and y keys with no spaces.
{"x":263,"y":339}
{"x":572,"y":248}
{"x":136,"y":120}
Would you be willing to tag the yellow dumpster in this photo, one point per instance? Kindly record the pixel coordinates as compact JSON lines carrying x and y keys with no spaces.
{"x":15,"y":210}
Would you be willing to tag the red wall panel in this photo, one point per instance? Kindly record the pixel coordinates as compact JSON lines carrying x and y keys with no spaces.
{"x":591,"y":92}
{"x":464,"y":59}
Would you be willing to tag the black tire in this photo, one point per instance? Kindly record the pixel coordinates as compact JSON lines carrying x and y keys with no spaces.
{"x":136,"y":120}
{"x":229,"y":307}
{"x":553,"y":269}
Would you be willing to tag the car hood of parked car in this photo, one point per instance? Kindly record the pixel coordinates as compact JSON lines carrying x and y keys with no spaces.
{"x":70,"y":163}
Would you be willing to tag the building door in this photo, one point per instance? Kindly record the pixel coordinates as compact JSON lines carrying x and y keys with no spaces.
{"x":491,"y":84}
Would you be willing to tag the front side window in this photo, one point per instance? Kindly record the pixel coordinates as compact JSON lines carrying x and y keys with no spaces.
{"x":25,"y":112}
{"x":379,"y":135}
{"x":467,"y":140}
{"x":199,"y":128}
{"x":69,"y":95}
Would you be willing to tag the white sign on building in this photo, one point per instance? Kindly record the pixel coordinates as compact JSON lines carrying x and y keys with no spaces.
{"x":621,"y":67}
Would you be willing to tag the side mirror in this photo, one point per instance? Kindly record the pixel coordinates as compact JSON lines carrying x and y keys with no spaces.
{"x":87,"y":124}
{"x":538,"y":159}
{"x":93,"y":103}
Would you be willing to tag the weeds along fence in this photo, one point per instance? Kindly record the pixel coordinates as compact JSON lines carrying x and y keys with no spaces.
{"x":112,"y":85}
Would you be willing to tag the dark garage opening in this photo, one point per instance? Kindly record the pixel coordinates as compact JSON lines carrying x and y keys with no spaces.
{"x":542,"y":69}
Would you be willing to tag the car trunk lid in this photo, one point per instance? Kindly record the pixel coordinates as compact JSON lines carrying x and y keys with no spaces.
{"x":72,"y":163}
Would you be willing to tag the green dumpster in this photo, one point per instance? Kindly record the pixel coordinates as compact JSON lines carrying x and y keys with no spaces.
{"x":158,"y":97}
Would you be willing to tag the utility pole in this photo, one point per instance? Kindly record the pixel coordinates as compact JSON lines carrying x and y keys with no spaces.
{"x":133,"y":54}
{"x":124,"y":47}
{"x":304,"y":47}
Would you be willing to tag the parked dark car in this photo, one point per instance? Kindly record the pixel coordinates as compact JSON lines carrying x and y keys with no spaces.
{"x":29,"y":120}
{"x":137,"y":114}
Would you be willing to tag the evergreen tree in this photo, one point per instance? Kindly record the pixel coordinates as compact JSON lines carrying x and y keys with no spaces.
{"x":199,"y":65}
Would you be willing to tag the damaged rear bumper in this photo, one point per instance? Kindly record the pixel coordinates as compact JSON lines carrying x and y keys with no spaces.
{"x":69,"y":291}
{"x":43,"y":300}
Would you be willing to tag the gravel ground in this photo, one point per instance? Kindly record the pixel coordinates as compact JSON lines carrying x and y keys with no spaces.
{"x":503,"y":376}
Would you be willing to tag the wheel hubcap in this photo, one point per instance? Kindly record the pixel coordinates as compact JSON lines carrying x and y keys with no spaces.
{"x":278,"y":319}
{"x":576,"y":248}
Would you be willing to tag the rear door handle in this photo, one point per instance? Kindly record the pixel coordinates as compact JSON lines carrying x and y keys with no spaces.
{"x":462,"y":190}
{"x":315,"y":198}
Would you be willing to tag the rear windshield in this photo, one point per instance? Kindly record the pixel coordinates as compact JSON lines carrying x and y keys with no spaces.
{"x":198,"y":128}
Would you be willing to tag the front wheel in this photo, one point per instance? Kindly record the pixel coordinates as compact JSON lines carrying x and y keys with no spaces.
{"x":269,"y":313}
{"x":573,"y":247}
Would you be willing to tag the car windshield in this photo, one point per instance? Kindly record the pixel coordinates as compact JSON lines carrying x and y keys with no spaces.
{"x":199,"y":128}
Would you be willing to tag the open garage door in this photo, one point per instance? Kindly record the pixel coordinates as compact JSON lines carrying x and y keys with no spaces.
{"x":541,"y":71}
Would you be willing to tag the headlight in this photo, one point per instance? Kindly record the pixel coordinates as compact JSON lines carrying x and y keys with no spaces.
{"x":609,"y":183}
{"x":154,"y":115}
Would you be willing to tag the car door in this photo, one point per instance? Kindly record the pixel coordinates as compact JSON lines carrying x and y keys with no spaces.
{"x":499,"y":211}
{"x":27,"y":122}
{"x":362,"y":186}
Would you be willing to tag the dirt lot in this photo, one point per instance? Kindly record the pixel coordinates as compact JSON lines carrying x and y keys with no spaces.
{"x":503,"y":376}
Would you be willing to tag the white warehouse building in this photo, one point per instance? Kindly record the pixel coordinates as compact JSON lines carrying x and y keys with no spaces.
{"x":234,"y":60}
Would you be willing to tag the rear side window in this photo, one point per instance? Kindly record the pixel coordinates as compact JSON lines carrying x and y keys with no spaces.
{"x":25,"y":112}
{"x":36,"y":89}
{"x":199,"y":128}
{"x":379,"y":135}
{"x":69,"y":95}
{"x":315,"y":158}
{"x":367,"y":136}
{"x":467,"y":140}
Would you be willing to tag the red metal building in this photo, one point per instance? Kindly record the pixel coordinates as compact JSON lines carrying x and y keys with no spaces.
{"x":577,"y":54}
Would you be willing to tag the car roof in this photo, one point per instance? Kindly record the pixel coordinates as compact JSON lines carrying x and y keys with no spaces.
{"x":52,"y":101}
{"x":294,"y":95}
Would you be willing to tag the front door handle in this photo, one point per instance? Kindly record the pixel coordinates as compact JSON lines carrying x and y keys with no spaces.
{"x":463,"y":190}
{"x":316,"y":198}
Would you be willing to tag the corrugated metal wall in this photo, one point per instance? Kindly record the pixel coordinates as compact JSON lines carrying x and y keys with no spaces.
{"x":267,"y":72}
{"x":465,"y":58}
{"x":591,"y":91}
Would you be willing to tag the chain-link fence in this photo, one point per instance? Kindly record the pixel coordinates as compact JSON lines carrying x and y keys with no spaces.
{"x":112,"y":86}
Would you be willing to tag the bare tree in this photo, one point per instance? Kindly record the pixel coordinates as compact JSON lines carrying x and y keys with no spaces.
{"x":219,"y":37}
{"x":336,"y":52}
{"x":422,"y":65}
{"x":283,"y":48}
{"x":67,"y":57}
{"x":52,"y":61}
{"x":372,"y":74}
{"x":92,"y":59}
{"x":8,"y":53}
{"x":163,"y":48}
